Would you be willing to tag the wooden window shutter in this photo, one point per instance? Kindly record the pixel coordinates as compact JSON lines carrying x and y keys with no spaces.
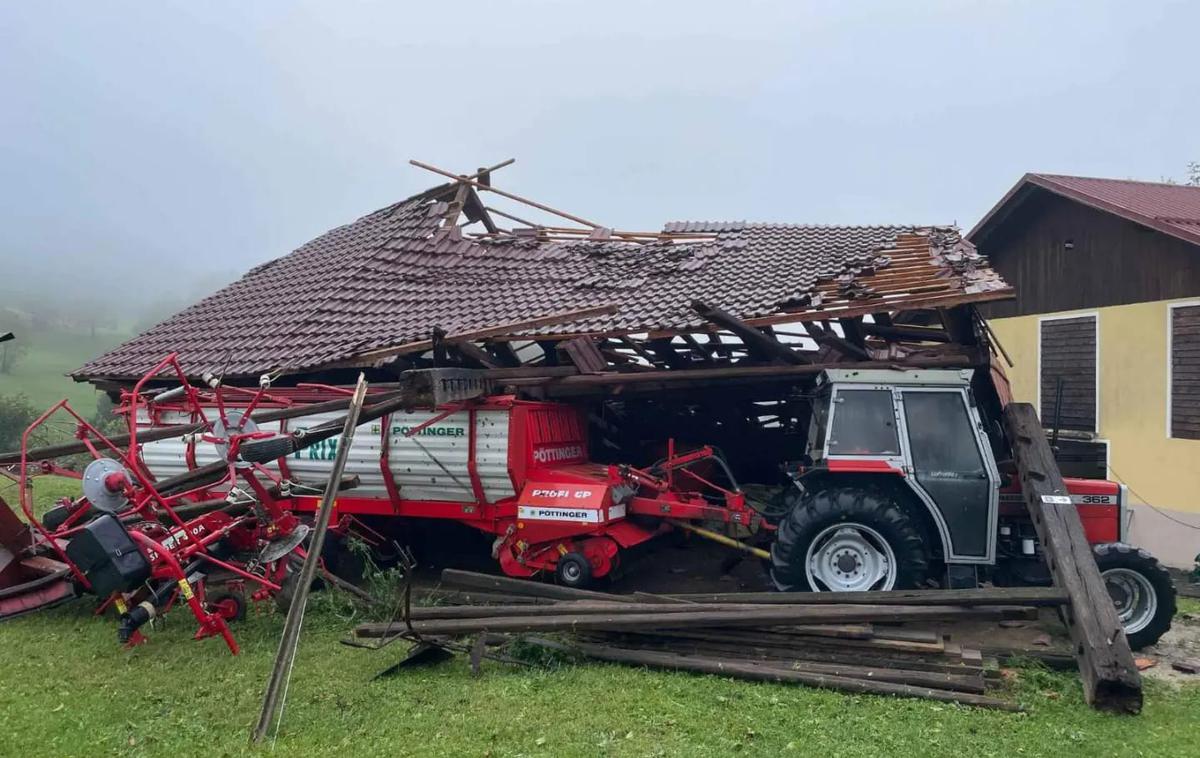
{"x":1068,"y":351}
{"x":1185,"y":372}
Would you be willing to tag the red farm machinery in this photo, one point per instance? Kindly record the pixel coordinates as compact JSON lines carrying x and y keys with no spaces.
{"x":903,"y":481}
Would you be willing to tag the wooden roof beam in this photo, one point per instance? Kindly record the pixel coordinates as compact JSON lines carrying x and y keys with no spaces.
{"x":757,"y":341}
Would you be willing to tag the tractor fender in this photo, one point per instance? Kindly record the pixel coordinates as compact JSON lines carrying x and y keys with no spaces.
{"x":895,"y":484}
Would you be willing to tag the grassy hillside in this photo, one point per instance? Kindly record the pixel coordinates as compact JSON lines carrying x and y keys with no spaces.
{"x":41,"y":373}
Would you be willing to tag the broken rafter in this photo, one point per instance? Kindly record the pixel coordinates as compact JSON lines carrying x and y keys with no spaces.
{"x":371,"y":356}
{"x":532,"y":203}
{"x":826,"y":336}
{"x":755,"y":339}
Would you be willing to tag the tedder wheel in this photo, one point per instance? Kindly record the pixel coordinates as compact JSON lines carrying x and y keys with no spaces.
{"x":847,"y":539}
{"x":230,"y":605}
{"x":573,"y":570}
{"x":1141,"y":590}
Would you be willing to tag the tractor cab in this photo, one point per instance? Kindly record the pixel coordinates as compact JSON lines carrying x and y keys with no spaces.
{"x":922,"y":430}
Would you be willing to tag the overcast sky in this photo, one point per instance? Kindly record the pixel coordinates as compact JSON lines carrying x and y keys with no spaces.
{"x":173,"y":141}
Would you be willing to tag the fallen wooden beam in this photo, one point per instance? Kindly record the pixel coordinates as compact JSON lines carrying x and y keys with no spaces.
{"x":1027,"y":596}
{"x":489,"y":583}
{"x":680,"y":617}
{"x":754,"y":672}
{"x":759,"y":343}
{"x":1111,"y":681}
{"x":962,"y":681}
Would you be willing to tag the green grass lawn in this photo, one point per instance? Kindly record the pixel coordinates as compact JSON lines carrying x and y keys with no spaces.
{"x":67,"y":689}
{"x":41,"y":373}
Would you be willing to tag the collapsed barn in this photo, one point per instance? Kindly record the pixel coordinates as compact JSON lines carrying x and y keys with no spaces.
{"x":844,"y":370}
{"x":706,"y":332}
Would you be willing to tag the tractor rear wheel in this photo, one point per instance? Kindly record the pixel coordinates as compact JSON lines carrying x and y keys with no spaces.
{"x":847,"y":539}
{"x":1141,"y":590}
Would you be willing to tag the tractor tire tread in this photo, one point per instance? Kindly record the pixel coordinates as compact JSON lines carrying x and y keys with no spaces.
{"x":810,"y":512}
{"x":1123,"y":555}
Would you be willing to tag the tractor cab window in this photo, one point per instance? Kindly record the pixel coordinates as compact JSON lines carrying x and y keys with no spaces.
{"x":863,"y":423}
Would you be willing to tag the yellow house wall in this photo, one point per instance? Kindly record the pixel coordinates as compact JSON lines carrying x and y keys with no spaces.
{"x":1159,"y":470}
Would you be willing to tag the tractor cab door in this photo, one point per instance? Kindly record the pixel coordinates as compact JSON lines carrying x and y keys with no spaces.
{"x":950,"y":467}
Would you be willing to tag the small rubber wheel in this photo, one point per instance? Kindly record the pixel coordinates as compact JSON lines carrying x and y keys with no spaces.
{"x":847,"y":539}
{"x":574,"y":570}
{"x":230,"y":605}
{"x":288,"y":585}
{"x":1141,"y":590}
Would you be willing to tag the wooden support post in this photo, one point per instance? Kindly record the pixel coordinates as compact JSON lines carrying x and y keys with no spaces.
{"x":285,"y":656}
{"x":758,"y":342}
{"x":1111,"y":681}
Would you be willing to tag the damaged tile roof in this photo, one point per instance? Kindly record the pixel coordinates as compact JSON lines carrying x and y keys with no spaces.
{"x":393,"y":275}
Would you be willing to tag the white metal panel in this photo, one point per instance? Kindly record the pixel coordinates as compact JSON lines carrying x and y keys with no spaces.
{"x":491,"y":454}
{"x":431,"y":465}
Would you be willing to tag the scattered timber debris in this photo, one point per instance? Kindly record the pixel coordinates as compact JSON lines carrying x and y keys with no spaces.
{"x":843,"y":641}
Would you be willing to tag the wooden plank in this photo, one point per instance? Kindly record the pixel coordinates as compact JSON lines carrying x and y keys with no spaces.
{"x":489,"y":583}
{"x":585,"y":355}
{"x":681,"y":618}
{"x":964,"y":680}
{"x":1110,"y":679}
{"x":1028,"y":596}
{"x":753,"y":672}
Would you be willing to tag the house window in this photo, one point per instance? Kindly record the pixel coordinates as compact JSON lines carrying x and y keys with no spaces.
{"x":1067,"y":353}
{"x":1184,"y":415}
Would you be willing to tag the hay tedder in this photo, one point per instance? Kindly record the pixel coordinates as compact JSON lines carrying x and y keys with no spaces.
{"x":213,"y":538}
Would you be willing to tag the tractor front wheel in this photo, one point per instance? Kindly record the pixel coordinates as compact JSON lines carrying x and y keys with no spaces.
{"x":847,"y":539}
{"x":1141,"y":590}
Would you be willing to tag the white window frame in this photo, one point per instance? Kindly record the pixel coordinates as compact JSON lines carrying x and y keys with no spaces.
{"x":1095,"y":315}
{"x":1170,"y":365}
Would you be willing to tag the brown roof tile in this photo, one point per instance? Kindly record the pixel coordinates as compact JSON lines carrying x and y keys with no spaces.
{"x":391,"y":276}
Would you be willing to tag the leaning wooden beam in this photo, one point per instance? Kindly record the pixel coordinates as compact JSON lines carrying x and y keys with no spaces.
{"x":755,"y":339}
{"x":420,"y":346}
{"x":754,"y":672}
{"x":285,"y":655}
{"x":1111,"y":681}
{"x":824,"y":336}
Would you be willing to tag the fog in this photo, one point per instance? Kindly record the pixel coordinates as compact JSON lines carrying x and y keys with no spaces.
{"x":152,"y":151}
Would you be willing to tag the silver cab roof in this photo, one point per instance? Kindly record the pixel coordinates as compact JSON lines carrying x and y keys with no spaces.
{"x":938,"y":377}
